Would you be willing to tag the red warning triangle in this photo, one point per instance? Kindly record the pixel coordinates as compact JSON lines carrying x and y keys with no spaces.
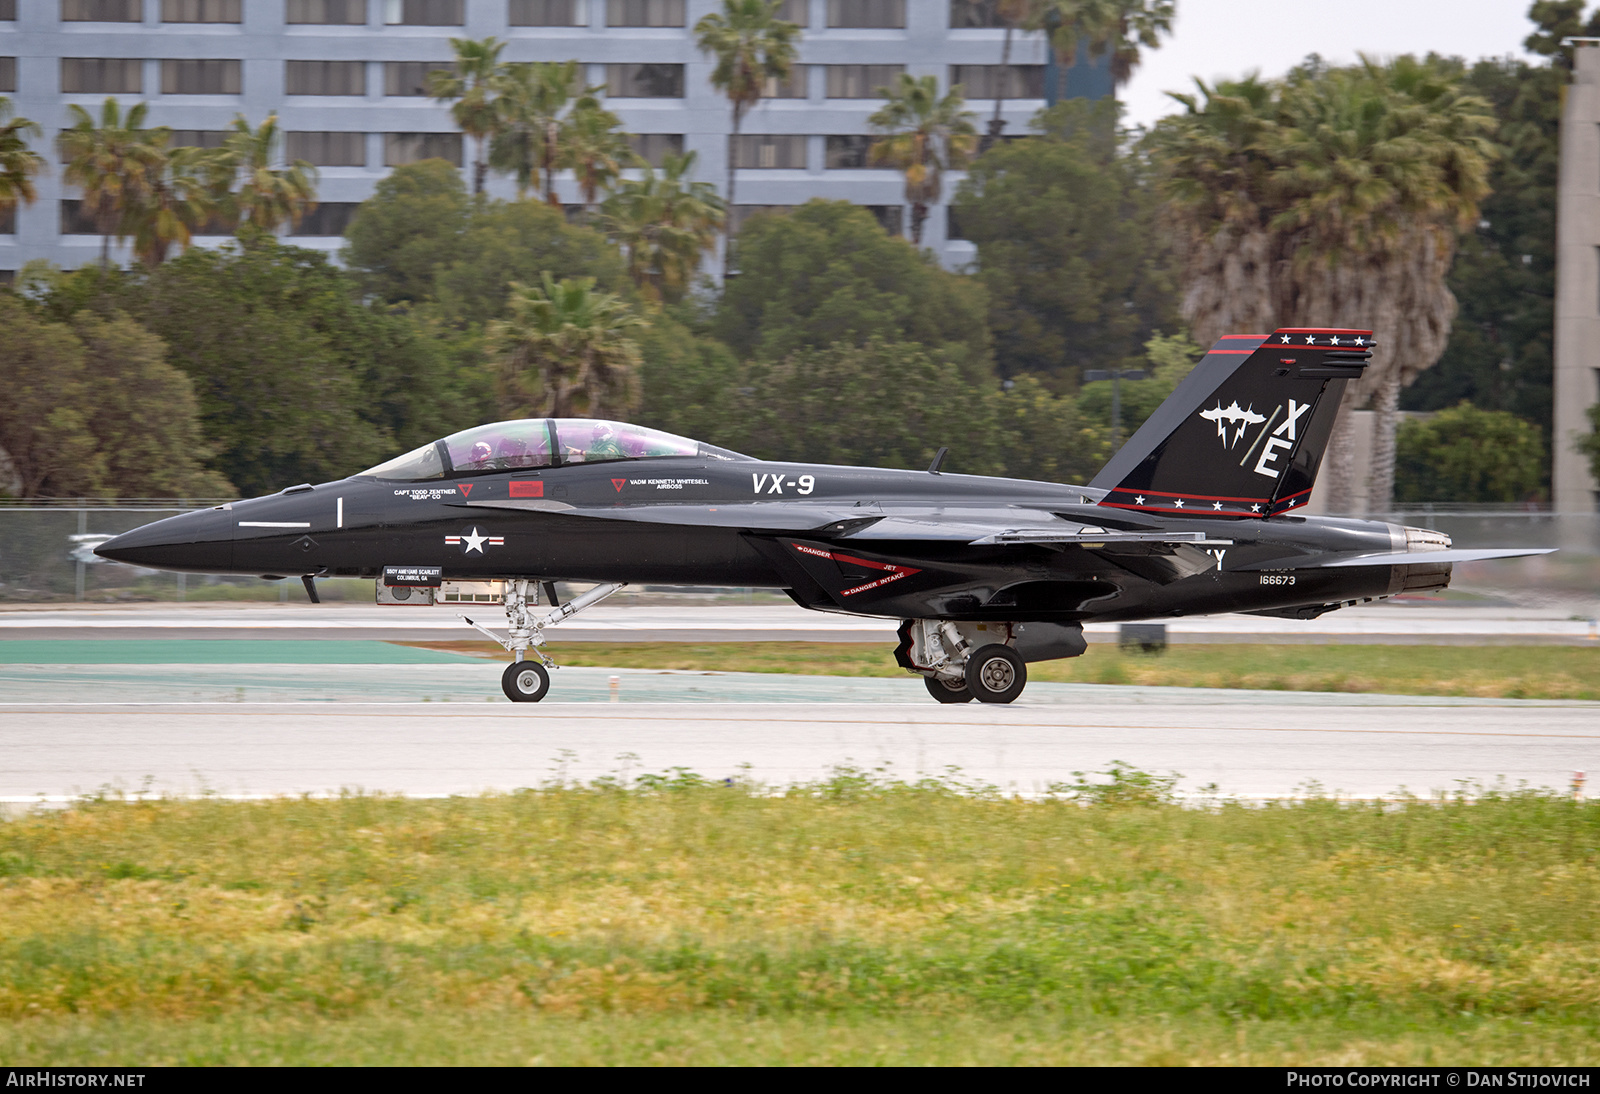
{"x":465,"y":488}
{"x":619,"y":484}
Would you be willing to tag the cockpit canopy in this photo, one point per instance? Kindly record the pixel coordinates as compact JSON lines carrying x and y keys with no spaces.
{"x":532,"y":443}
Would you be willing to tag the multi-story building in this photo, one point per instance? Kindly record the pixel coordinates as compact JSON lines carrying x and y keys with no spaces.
{"x":346,"y":80}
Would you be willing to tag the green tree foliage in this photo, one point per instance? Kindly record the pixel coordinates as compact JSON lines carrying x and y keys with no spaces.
{"x":565,"y":350}
{"x":111,"y":163}
{"x":298,"y":380}
{"x":420,"y":240}
{"x":18,"y":163}
{"x":1468,"y":454}
{"x":1500,"y":354}
{"x":922,"y":137}
{"x":1167,"y":359}
{"x":827,"y":273}
{"x":1114,"y":28}
{"x":267,"y":197}
{"x":751,"y":46}
{"x":1045,"y":436}
{"x":690,"y":382}
{"x":93,"y":409}
{"x":665,"y":223}
{"x":1589,"y":443}
{"x":882,"y":404}
{"x":414,"y":223}
{"x":1077,"y":270}
{"x":470,"y":89}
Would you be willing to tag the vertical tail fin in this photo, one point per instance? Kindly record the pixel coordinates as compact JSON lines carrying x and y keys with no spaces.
{"x":1244,"y":434}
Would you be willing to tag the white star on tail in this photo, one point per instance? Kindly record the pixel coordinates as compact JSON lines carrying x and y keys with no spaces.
{"x":1178,"y":503}
{"x":1139,"y":499}
{"x":1216,"y":505}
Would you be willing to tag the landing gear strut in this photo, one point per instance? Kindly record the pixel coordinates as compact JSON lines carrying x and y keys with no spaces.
{"x":527,"y":681}
{"x":960,"y":662}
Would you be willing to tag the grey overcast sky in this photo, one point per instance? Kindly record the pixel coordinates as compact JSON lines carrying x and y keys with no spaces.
{"x":1229,"y":37}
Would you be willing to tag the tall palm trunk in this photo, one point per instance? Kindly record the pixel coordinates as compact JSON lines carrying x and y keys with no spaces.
{"x":997,"y":123}
{"x":919,"y":215}
{"x":727,"y":230}
{"x":480,"y":166}
{"x":552,"y":147}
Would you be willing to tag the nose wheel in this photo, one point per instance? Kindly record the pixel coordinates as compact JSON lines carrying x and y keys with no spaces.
{"x":525,"y":681}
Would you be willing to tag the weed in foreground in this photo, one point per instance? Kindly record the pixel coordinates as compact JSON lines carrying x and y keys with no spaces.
{"x":1104,"y":924}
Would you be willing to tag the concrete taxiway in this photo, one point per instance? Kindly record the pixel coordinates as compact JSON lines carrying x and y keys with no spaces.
{"x":1391,"y":622}
{"x":431,"y":729}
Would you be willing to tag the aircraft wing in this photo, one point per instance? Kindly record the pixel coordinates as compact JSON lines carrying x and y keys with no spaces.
{"x":869,"y":522}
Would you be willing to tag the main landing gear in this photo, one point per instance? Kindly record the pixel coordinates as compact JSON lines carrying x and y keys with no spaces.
{"x":960,"y":662}
{"x":527,"y":681}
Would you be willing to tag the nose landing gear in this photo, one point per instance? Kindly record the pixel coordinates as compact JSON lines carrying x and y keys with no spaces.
{"x":527,"y":681}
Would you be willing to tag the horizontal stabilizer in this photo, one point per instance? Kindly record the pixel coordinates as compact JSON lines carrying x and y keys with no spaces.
{"x":1415,"y":558}
{"x":1396,"y":558}
{"x":1098,"y":535}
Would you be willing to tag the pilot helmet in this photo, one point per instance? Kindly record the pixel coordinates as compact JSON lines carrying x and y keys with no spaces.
{"x":481,"y":453}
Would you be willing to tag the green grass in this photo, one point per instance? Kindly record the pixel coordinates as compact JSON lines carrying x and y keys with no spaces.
{"x":1505,"y":672}
{"x":854,"y":921}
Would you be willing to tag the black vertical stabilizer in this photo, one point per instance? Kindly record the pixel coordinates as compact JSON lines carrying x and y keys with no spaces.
{"x":1244,"y":433}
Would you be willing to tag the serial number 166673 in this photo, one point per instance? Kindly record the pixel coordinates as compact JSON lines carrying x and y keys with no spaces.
{"x":1277,"y":579}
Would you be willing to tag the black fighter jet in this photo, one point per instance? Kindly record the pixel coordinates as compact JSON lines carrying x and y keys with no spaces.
{"x":1197,"y":514}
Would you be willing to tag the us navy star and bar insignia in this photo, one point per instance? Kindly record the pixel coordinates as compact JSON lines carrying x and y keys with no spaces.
{"x":474,"y":541}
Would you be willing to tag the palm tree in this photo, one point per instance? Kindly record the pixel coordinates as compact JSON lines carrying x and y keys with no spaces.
{"x":665,"y":225}
{"x":178,"y":200}
{"x":751,"y":45}
{"x":924,"y":136}
{"x":268,"y":197}
{"x":18,"y":163}
{"x":534,"y":107}
{"x":1115,"y":27}
{"x":471,"y":89}
{"x":597,"y":151}
{"x":564,"y":351}
{"x":1013,"y":14}
{"x":1333,"y":197}
{"x":112,"y":163}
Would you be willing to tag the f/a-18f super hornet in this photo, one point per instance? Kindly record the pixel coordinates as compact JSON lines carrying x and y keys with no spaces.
{"x":1196,"y":514}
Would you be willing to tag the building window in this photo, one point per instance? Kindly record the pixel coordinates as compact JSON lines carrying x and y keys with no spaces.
{"x":327,"y":149}
{"x":742,"y":213}
{"x":763,"y":151}
{"x":654,"y":148}
{"x":644,"y":13}
{"x":983,"y":81}
{"x":887,"y":216}
{"x":75,"y":220}
{"x":196,"y":77}
{"x":861,"y":14}
{"x":102,"y":11}
{"x":201,"y":11}
{"x":860,"y":81}
{"x":8,"y":222}
{"x":549,"y":13}
{"x":327,"y":12}
{"x":199,"y":138}
{"x":952,"y":223}
{"x":400,"y":149}
{"x":644,"y":81}
{"x":8,"y":277}
{"x":325,"y":77}
{"x":849,"y":153}
{"x":423,"y":13}
{"x":8,"y":11}
{"x":975,"y":13}
{"x":329,"y":218}
{"x":8,"y":73}
{"x":102,"y":75}
{"x":797,"y":12}
{"x":411,"y":77}
{"x":792,"y":86}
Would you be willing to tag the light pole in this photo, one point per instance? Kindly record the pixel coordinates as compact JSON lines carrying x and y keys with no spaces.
{"x":1116,"y":376}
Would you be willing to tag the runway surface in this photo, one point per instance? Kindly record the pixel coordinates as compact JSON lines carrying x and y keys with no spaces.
{"x":1403,"y":622}
{"x":442,"y":728}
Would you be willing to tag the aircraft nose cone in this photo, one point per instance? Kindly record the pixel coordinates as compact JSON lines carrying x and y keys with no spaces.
{"x":201,"y":542}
